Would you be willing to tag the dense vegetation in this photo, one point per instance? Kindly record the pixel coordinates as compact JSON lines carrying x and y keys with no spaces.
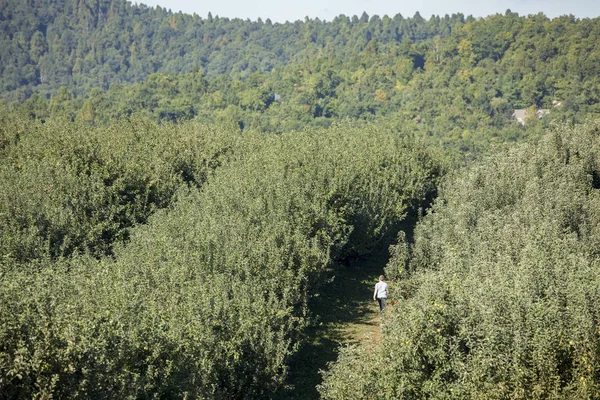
{"x":66,"y":187}
{"x":83,"y":44}
{"x":174,"y":190}
{"x":207,"y":298}
{"x":456,"y":79}
{"x":501,"y":292}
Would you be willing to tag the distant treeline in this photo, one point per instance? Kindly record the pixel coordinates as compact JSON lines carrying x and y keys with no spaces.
{"x":84,"y":44}
{"x":458,"y":80}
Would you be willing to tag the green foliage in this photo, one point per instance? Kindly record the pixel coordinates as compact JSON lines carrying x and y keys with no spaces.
{"x":144,"y":259}
{"x":207,"y":299}
{"x":68,"y":187}
{"x":502,"y":298}
{"x":459,"y":86}
{"x":88,"y":44}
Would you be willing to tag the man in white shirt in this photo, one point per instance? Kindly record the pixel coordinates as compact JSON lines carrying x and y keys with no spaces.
{"x":381,"y":291}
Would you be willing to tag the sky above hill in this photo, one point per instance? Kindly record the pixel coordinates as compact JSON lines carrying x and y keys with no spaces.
{"x":281,"y":11}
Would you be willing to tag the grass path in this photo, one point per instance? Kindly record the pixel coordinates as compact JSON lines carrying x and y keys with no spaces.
{"x":347,"y":315}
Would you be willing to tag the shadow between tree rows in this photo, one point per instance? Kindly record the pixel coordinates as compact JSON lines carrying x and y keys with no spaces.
{"x":346,"y":301}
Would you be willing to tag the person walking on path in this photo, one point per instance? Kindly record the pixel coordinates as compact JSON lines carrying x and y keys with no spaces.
{"x":381,"y":292}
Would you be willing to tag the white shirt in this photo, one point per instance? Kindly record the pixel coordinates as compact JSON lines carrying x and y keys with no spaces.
{"x":381,"y":290}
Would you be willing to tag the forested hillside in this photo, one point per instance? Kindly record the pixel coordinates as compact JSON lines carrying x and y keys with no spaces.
{"x":456,"y":79}
{"x":83,"y":44}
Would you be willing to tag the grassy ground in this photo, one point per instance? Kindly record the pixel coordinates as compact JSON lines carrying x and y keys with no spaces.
{"x":347,"y":315}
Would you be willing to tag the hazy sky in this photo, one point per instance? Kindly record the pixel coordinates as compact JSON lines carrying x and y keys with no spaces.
{"x":281,"y":10}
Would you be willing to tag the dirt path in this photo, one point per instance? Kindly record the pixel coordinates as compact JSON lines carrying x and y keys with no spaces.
{"x":366,"y":329}
{"x":347,"y":315}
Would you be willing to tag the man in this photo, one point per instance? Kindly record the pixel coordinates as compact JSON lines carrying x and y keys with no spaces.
{"x":381,"y":291}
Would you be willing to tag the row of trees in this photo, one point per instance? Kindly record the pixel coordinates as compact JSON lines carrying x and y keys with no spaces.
{"x":141,"y":260}
{"x":65,"y":188}
{"x":499,"y":297}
